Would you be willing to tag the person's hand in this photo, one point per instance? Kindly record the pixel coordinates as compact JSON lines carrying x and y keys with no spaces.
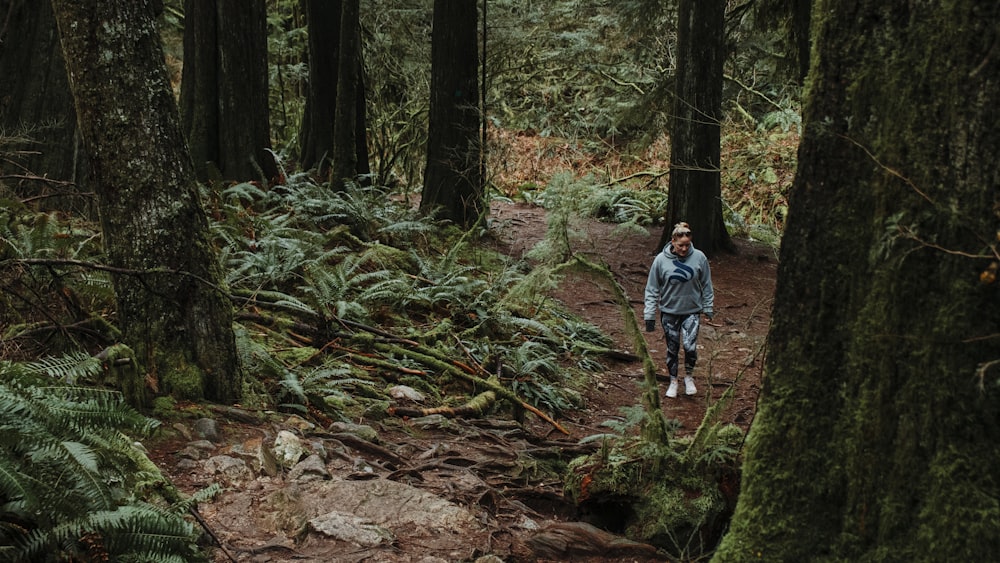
{"x":709,"y":315}
{"x":650,"y":325}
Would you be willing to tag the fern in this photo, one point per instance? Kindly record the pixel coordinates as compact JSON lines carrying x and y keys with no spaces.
{"x":70,"y":474}
{"x":70,"y":368}
{"x":140,"y":532}
{"x":312,"y":388}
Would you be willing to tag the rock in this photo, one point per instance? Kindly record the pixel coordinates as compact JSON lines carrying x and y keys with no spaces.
{"x":348,"y":527}
{"x":189,"y":465}
{"x":203,"y":445}
{"x":183,"y":430}
{"x":207,"y":429}
{"x":230,"y":469}
{"x":288,"y":449}
{"x":385,"y":503}
{"x":311,"y":468}
{"x":198,"y":449}
{"x":431,"y":422}
{"x":299,"y":423}
{"x":406,"y":393}
{"x":250,"y":452}
{"x":319,"y":448}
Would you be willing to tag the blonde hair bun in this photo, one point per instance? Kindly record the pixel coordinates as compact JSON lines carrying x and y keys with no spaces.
{"x":681,"y":229}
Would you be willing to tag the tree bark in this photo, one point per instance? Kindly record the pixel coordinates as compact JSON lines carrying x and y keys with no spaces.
{"x":877,"y":430}
{"x":175,"y":315}
{"x":36,"y":106}
{"x":224,"y":89}
{"x":345,"y":131}
{"x":695,"y":194}
{"x":453,"y":186}
{"x":316,"y":133}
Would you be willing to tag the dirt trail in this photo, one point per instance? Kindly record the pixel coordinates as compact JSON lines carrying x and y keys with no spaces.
{"x":386,"y":489}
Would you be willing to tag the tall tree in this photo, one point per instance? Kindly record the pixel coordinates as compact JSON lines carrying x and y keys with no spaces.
{"x":350,"y":152}
{"x":43,"y":154}
{"x":878,"y":423}
{"x":224,"y":89}
{"x":453,"y":184}
{"x":170,"y":305}
{"x":316,"y":133}
{"x":695,"y":192}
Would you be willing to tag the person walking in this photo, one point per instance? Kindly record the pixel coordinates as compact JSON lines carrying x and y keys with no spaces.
{"x":680,"y":288}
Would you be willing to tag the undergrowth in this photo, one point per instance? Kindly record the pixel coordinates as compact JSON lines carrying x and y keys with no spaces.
{"x":73,"y":484}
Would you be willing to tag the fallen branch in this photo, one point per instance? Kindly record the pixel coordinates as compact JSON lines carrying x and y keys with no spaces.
{"x":476,"y":407}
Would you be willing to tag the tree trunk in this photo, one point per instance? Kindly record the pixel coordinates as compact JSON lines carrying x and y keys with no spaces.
{"x":316,"y":133}
{"x":172,"y":310}
{"x":695,"y":194}
{"x":345,"y":132}
{"x":801,"y":19}
{"x":453,"y":186}
{"x":877,"y":430}
{"x":224,"y":89}
{"x":199,"y":90}
{"x":36,"y":106}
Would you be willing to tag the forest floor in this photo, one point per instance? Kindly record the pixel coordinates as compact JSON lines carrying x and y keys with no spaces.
{"x":467,"y":464}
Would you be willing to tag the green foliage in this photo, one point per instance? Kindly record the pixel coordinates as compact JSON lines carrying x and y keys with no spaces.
{"x":672,"y":491}
{"x":756,"y":182}
{"x":397,"y":69}
{"x":319,"y":388}
{"x":71,"y":368}
{"x":611,"y":71}
{"x":55,"y":293}
{"x":288,"y":72}
{"x":72,"y":484}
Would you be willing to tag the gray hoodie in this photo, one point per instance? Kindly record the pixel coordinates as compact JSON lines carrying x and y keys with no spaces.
{"x":679,"y":286}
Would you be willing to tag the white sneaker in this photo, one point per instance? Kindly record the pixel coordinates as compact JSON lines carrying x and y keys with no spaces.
{"x":672,"y":390}
{"x":689,"y":388}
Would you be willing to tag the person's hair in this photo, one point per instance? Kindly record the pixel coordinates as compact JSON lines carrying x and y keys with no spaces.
{"x":681,"y":230}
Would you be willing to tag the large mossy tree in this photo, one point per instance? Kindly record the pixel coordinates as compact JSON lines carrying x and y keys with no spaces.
{"x":167,"y":279}
{"x":878,"y":426}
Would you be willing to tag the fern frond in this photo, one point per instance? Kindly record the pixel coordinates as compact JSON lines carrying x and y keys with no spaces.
{"x":68,"y":469}
{"x":70,"y":368}
{"x":127,"y":531}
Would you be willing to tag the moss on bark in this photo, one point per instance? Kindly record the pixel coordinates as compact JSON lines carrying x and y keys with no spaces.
{"x":172,"y":307}
{"x":874,"y":441}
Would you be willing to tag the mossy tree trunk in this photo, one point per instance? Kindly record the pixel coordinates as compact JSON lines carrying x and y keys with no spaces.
{"x":453,"y":184}
{"x":172,"y":310}
{"x":224,"y":89}
{"x":695,"y":134}
{"x":879,"y":420}
{"x":42,"y":157}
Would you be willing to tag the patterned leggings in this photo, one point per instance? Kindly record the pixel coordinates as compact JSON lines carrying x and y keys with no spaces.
{"x":675,"y":326}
